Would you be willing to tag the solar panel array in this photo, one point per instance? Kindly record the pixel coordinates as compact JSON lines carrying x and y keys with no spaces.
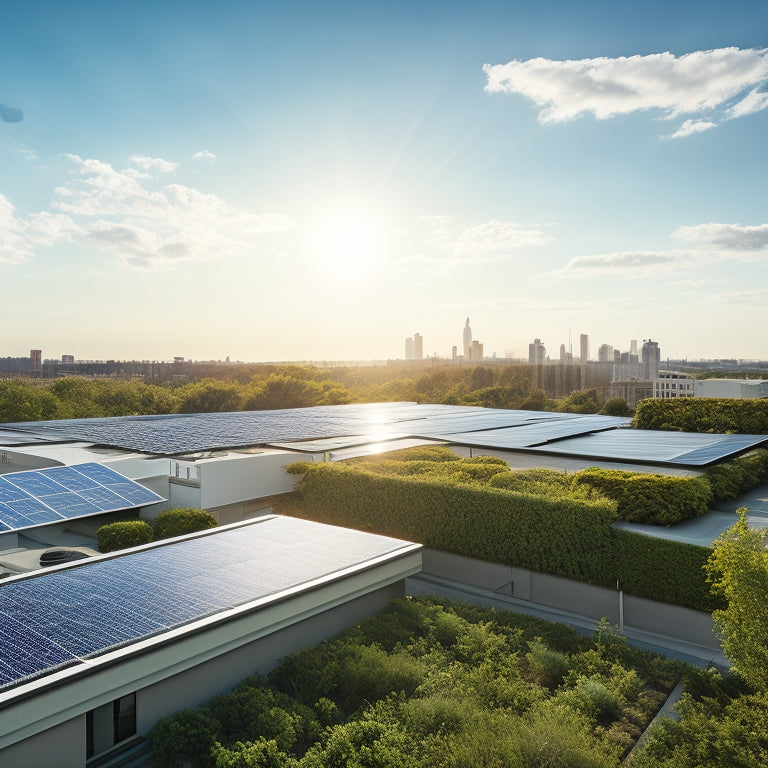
{"x":44,"y":496}
{"x":353,"y":425}
{"x":648,"y":446}
{"x":57,"y":619}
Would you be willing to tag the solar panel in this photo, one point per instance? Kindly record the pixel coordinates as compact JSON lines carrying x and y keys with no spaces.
{"x":39,"y":497}
{"x":56,"y":619}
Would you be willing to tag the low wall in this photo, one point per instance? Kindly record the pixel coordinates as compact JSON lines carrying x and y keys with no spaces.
{"x":586,"y":600}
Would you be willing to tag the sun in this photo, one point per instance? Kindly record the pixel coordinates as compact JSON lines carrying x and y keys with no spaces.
{"x":348,"y":240}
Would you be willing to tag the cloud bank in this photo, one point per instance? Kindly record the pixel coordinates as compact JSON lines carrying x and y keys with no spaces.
{"x":127,"y":215}
{"x":723,"y":83}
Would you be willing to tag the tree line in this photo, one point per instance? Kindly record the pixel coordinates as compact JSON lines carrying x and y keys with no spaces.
{"x":290,"y":386}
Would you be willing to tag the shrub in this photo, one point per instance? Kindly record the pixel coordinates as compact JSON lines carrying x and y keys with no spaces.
{"x":121,"y":535}
{"x":185,"y":738}
{"x":177,"y":522}
{"x":649,"y":498}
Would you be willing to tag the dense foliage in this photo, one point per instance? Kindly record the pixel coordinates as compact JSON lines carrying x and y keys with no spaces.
{"x":123,"y":534}
{"x":704,"y":414}
{"x":430,"y":683}
{"x":171,"y":522}
{"x":738,"y":569}
{"x":538,"y":519}
{"x":644,"y":497}
{"x":733,"y":478}
{"x":270,"y":387}
{"x":177,"y":522}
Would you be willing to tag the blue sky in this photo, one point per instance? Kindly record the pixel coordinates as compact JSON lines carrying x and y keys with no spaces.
{"x":303,"y":181}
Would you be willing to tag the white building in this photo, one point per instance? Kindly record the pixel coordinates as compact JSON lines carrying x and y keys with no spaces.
{"x":740,"y":389}
{"x":671,"y":384}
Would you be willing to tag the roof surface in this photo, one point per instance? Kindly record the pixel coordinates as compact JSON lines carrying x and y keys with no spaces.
{"x":336,"y":427}
{"x":63,"y":618}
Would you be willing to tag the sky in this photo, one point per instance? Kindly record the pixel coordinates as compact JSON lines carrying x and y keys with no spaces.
{"x":319,"y":181}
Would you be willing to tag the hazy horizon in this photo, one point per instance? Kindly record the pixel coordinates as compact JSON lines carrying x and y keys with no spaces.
{"x":319,"y":182}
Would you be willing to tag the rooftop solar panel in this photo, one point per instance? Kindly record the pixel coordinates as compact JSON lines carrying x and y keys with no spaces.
{"x":647,"y":446}
{"x":39,"y":497}
{"x":57,"y":619}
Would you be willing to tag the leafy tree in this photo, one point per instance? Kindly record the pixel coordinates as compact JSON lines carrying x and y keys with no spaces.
{"x":209,"y":396}
{"x":27,"y":402}
{"x":616,"y":406}
{"x":738,"y":569}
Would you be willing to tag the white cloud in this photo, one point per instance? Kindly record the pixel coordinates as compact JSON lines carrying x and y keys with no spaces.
{"x":205,"y":154}
{"x":153,"y":163}
{"x":487,"y":242}
{"x":18,"y":237}
{"x":131,"y":217}
{"x":753,"y":102}
{"x":694,"y":83}
{"x":621,"y":263}
{"x":689,"y":127}
{"x":725,"y":237}
{"x":759,"y":296}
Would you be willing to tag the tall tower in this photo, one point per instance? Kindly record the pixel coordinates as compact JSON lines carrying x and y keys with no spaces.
{"x":651,"y":358}
{"x":467,"y":341}
{"x":584,"y":344}
{"x":418,"y":347}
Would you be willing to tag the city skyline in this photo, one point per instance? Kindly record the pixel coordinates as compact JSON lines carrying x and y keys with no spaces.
{"x":265,"y":184}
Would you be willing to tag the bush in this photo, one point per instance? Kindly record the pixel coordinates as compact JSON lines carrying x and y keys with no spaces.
{"x":649,"y":498}
{"x":121,"y":535}
{"x":185,"y":738}
{"x":704,"y":414}
{"x":177,"y":522}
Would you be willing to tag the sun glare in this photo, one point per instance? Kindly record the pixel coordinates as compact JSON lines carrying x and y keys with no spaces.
{"x":347,"y":242}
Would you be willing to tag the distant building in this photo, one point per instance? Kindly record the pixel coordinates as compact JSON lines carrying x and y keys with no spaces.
{"x":537,"y":352}
{"x":35,"y":362}
{"x":476,"y":351}
{"x":740,"y":389}
{"x":651,"y":358}
{"x":584,"y":347}
{"x":467,"y":338}
{"x":454,"y":352}
{"x":409,"y":348}
{"x":632,"y":390}
{"x":68,"y":359}
{"x":418,"y":347}
{"x":605,"y":353}
{"x":671,"y":384}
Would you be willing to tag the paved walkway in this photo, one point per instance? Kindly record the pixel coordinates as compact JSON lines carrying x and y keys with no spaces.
{"x":705,"y":529}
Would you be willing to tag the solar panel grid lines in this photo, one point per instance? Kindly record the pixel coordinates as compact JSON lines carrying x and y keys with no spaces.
{"x":88,"y":609}
{"x":38,"y":497}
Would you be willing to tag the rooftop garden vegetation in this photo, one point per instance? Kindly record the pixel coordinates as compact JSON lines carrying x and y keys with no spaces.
{"x":431,"y":683}
{"x":172,"y":522}
{"x":538,"y":519}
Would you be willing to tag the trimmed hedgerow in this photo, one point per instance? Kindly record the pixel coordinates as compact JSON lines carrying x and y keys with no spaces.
{"x":566,"y":536}
{"x":121,"y":535}
{"x":177,"y":522}
{"x":557,"y":534}
{"x":704,"y":414}
{"x":733,"y":478}
{"x":649,"y":498}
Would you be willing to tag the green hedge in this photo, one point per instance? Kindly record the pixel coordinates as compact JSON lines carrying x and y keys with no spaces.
{"x":567,"y":537}
{"x":704,"y":414}
{"x":733,"y":478}
{"x":121,"y":535}
{"x":649,"y":498}
{"x":177,"y":522}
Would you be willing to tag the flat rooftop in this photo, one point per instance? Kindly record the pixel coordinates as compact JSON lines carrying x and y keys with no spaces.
{"x":65,"y":619}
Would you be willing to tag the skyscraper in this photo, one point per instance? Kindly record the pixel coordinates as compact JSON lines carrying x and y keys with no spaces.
{"x":584,"y":344}
{"x":537,"y":352}
{"x":418,"y":347}
{"x":467,"y":341}
{"x":651,"y":358}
